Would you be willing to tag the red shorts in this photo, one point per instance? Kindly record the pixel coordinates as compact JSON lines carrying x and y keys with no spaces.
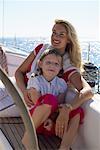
{"x":52,"y":100}
{"x":46,"y":99}
{"x":73,"y":113}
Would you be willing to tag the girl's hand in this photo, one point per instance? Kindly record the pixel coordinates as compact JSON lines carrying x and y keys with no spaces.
{"x":62,"y":122}
{"x":48,"y":124}
{"x":27,"y":98}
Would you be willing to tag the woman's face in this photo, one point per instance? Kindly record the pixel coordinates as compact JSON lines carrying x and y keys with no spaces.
{"x":59,"y":38}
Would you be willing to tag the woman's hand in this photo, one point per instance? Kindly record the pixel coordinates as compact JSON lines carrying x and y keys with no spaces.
{"x":27,"y":98}
{"x":62,"y":121}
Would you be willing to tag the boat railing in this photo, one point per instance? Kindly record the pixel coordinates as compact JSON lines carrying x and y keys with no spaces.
{"x":18,"y":98}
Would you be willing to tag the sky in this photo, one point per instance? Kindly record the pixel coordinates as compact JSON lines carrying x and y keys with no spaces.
{"x":33,"y":18}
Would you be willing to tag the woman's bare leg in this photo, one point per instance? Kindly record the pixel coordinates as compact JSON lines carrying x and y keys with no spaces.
{"x":69,"y":136}
{"x":41,"y":113}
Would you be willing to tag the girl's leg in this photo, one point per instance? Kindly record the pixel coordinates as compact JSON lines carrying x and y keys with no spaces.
{"x":70,"y":134}
{"x":25,"y":140}
{"x":41,"y":113}
{"x":46,"y":105}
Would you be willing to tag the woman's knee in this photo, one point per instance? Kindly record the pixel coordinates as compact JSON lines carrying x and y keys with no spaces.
{"x":77,"y":113}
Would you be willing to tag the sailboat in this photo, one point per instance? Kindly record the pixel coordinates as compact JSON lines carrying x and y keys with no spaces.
{"x":14,"y":116}
{"x":12,"y":125}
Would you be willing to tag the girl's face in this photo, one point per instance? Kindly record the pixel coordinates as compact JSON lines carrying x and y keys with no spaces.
{"x":59,"y":38}
{"x":50,"y":65}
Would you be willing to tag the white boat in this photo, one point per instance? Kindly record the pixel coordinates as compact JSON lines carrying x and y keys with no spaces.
{"x":88,"y":137}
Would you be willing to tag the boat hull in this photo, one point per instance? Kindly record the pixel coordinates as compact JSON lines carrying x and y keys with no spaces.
{"x":88,"y":137}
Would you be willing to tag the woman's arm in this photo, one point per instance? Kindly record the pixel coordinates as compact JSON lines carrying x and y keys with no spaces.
{"x":84,"y":90}
{"x":84,"y":94}
{"x":19,"y":75}
{"x":21,"y":71}
{"x":61,"y":98}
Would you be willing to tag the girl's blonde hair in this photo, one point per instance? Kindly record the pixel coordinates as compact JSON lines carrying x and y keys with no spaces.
{"x":73,"y":47}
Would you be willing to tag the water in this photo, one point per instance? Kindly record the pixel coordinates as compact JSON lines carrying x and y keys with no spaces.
{"x":23,"y":45}
{"x":91,"y":52}
{"x":90,"y":49}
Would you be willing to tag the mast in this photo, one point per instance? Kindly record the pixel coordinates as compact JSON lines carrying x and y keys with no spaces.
{"x":88,"y":55}
{"x":3,"y":22}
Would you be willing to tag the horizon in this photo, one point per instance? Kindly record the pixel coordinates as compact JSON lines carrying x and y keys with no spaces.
{"x":47,"y":39}
{"x":23,"y":18}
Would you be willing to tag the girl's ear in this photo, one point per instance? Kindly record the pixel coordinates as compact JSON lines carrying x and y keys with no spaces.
{"x":40,"y":64}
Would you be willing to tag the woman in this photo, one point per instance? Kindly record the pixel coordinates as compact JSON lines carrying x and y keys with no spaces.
{"x":64,"y":38}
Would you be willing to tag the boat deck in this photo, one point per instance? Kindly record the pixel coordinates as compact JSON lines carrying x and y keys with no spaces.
{"x":13,"y":129}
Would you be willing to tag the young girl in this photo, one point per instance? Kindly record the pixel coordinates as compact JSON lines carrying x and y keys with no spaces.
{"x":47,"y":91}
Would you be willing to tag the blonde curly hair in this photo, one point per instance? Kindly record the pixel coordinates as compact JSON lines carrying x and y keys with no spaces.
{"x":73,"y":47}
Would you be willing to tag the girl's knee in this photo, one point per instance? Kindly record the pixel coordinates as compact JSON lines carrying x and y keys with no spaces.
{"x":51,"y":100}
{"x":48,"y":100}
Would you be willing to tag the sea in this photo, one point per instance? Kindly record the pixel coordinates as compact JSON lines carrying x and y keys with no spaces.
{"x":24,"y":45}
